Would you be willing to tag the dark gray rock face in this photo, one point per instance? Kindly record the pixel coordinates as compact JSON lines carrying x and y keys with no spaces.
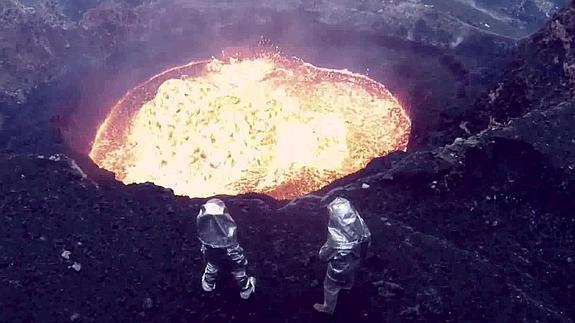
{"x":478,"y":230}
{"x":32,"y":47}
{"x":541,"y":76}
{"x":482,"y":229}
{"x":437,"y":56}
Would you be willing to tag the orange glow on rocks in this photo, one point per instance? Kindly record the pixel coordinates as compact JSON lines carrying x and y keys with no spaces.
{"x":264,"y":123}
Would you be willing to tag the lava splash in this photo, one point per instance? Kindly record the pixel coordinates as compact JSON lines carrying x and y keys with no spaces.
{"x":265,"y":123}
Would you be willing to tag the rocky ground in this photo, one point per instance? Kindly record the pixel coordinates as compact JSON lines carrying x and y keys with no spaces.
{"x":481,"y":229}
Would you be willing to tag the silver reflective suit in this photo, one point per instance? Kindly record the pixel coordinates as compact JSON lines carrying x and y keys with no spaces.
{"x":216,"y":228}
{"x":347,"y":238}
{"x":218,"y":233}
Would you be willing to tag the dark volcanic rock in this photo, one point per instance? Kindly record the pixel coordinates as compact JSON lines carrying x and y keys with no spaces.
{"x":541,"y":76}
{"x":482,"y":229}
{"x":478,"y":230}
{"x":437,"y":56}
{"x":33,"y":43}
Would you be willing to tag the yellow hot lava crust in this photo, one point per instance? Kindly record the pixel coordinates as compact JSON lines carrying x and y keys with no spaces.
{"x":265,"y":124}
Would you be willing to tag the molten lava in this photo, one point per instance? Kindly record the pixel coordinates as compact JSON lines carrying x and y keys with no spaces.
{"x":265,"y":124}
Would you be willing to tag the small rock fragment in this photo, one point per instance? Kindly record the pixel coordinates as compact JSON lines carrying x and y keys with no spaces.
{"x":388,"y":176}
{"x":74,"y":317}
{"x":148,"y":303}
{"x":463,"y":126}
{"x":388,"y":289}
{"x":410,"y":311}
{"x":314,"y":283}
{"x":66,"y":254}
{"x":291,"y":279}
{"x":77,"y":266}
{"x":365,"y":186}
{"x":431,"y":300}
{"x":378,"y":283}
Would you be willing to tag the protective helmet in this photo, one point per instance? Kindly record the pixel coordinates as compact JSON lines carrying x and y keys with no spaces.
{"x":346,"y":228}
{"x":215,"y":226}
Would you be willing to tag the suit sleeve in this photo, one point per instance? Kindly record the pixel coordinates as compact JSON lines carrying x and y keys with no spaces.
{"x":326,"y":252}
{"x":237,"y":256}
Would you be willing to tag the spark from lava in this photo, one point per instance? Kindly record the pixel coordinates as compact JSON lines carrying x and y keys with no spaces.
{"x":263,"y":123}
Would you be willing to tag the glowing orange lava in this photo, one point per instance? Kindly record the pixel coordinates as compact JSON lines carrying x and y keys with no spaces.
{"x":265,"y":124}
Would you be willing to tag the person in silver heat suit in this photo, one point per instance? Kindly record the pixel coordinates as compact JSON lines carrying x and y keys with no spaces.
{"x":218,"y":233}
{"x":347,"y":240}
